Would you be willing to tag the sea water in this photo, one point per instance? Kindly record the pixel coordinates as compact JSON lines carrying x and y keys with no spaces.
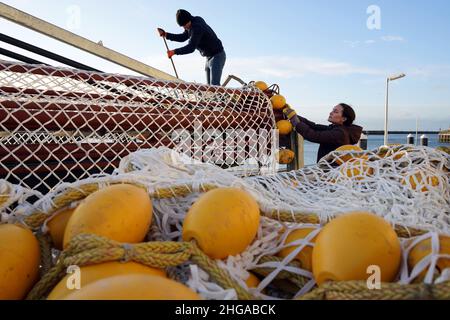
{"x":373,"y":142}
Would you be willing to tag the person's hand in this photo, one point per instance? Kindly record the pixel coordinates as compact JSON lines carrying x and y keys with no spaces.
{"x":170,"y":53}
{"x":161,"y":32}
{"x":289,"y":113}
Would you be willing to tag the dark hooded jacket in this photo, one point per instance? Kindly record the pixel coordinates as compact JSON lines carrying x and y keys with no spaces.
{"x":201,"y":37}
{"x":329,"y":137}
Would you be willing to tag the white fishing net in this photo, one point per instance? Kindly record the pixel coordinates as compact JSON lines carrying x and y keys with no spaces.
{"x":62,"y":125}
{"x":324,"y":190}
{"x":67,"y":128}
{"x":379,"y":184}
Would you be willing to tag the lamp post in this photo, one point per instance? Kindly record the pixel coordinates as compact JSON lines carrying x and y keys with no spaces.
{"x":392,"y":78}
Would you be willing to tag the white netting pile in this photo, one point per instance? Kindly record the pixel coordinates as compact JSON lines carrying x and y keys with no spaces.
{"x":377,"y":181}
{"x":408,"y":186}
{"x":62,"y":125}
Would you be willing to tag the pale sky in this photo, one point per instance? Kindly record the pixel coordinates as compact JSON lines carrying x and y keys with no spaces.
{"x":319,"y":52}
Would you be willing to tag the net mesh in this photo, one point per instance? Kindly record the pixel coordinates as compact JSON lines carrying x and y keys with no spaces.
{"x":99,"y":128}
{"x":408,"y":186}
{"x":61,"y":125}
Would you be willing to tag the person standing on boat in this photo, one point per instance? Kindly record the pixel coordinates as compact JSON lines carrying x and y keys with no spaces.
{"x":340,"y":132}
{"x":202,"y":38}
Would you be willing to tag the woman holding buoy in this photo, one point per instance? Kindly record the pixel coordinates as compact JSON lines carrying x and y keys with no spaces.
{"x":340,"y":132}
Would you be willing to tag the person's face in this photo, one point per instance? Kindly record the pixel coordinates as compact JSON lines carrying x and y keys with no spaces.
{"x":187,"y":26}
{"x":336,"y":116}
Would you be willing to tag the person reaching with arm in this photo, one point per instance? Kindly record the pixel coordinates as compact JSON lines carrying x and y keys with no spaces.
{"x":340,"y":132}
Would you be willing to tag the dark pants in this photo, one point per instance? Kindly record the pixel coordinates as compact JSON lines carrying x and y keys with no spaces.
{"x":213,"y":67}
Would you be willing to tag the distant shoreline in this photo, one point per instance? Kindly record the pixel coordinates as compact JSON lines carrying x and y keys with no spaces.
{"x":381,"y":132}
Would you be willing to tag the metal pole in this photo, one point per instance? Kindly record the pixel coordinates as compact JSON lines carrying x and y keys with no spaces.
{"x":45,"y":53}
{"x":173,"y":64}
{"x":19,"y":57}
{"x":48,"y":29}
{"x":386,"y":114}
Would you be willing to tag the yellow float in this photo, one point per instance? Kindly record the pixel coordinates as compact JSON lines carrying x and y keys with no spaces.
{"x":350,"y":243}
{"x":285,"y":156}
{"x":92,"y":273}
{"x":423,"y":249}
{"x":278,"y":102}
{"x":120,"y":212}
{"x":284,"y":127}
{"x":57,"y":226}
{"x":223,"y":222}
{"x":305,"y":255}
{"x":19,"y":261}
{"x":134,"y":287}
{"x":356,"y":168}
{"x":417,"y":178}
{"x":261,"y":85}
{"x":346,"y":148}
{"x":252,"y":281}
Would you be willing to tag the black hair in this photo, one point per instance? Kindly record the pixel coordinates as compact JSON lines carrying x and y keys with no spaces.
{"x":183,"y":17}
{"x":348,"y":113}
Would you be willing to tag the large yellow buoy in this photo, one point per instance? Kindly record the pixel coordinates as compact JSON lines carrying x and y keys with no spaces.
{"x":351,"y":243}
{"x":19,"y":261}
{"x":305,"y":255}
{"x":349,"y":147}
{"x":343,"y":158}
{"x":92,"y":273}
{"x":120,"y":212}
{"x":252,"y":281}
{"x":136,"y":286}
{"x":278,"y":102}
{"x":223,"y":222}
{"x":356,"y":168}
{"x":284,"y":127}
{"x":285,"y":156}
{"x":417,"y":178}
{"x":261,"y":85}
{"x":423,"y":249}
{"x":57,"y":226}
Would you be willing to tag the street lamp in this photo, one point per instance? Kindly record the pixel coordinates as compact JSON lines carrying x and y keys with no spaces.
{"x":392,"y":78}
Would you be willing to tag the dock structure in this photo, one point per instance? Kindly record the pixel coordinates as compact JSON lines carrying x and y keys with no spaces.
{"x":444,"y":136}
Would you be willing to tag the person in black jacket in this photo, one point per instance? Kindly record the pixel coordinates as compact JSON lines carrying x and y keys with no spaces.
{"x":202,"y":38}
{"x":341,"y":132}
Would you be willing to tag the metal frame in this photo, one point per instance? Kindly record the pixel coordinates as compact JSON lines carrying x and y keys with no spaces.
{"x":48,"y":29}
{"x":44,"y":53}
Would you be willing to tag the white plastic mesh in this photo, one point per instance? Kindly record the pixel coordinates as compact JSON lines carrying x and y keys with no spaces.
{"x":324,"y":190}
{"x":62,"y":125}
{"x":65,"y":125}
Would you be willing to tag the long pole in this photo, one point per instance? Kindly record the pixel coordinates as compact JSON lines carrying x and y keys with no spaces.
{"x":386,"y":114}
{"x":173,"y":64}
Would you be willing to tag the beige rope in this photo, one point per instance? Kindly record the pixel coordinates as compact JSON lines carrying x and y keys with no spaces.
{"x":357,"y":290}
{"x":87,"y":249}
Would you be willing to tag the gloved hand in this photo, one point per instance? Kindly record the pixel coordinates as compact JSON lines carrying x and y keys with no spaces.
{"x":161,"y":32}
{"x":291,"y":115}
{"x":170,"y":53}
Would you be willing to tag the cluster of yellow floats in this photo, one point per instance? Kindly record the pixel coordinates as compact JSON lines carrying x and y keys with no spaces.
{"x":222,"y":221}
{"x":285,"y":156}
